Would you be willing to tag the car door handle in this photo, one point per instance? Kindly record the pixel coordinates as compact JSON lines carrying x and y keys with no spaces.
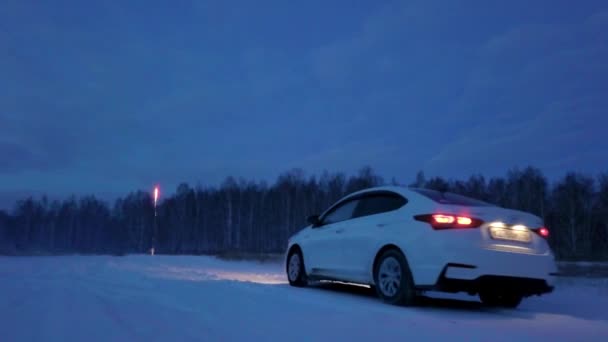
{"x":380,"y":225}
{"x":340,"y":231}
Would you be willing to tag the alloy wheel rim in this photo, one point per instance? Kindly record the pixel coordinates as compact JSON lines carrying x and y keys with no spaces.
{"x":294,"y":267}
{"x":389,"y":276}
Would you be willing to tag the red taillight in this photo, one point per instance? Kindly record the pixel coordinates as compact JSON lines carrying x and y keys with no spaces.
{"x":443,"y":221}
{"x":465,"y":221}
{"x":542,"y":231}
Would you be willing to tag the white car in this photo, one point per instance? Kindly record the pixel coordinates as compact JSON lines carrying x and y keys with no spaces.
{"x":404,"y":241}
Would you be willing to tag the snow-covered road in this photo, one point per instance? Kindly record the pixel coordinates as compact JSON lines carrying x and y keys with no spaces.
{"x":186,"y":298}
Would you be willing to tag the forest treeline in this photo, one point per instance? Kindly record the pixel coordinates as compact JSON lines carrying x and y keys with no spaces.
{"x":256,"y":217}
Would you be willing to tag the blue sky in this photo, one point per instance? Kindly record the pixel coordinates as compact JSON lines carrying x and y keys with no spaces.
{"x":108,"y":97}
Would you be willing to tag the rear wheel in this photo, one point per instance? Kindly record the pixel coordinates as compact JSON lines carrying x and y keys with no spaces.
{"x":393,"y":279}
{"x":296,"y":273}
{"x":497,"y":299}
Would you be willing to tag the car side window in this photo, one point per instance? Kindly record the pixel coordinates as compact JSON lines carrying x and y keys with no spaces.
{"x":379,"y":203}
{"x":342,"y":212}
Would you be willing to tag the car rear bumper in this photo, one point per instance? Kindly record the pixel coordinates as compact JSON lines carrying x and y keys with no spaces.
{"x":489,"y":267}
{"x":521,"y":285}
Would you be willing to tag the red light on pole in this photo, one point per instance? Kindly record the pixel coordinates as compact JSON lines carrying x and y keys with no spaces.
{"x":156,"y":194}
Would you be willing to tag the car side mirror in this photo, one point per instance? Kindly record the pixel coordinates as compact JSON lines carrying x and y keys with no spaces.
{"x":314,"y":220}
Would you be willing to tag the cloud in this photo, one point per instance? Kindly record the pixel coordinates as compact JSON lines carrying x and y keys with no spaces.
{"x":16,"y":158}
{"x":369,"y":50}
{"x":566,"y":135}
{"x":536,"y":96}
{"x":186,"y":94}
{"x":47,"y":133}
{"x":597,"y":23}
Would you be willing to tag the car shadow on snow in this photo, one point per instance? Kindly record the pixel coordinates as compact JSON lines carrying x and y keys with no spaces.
{"x":421,"y":302}
{"x":529,"y":309}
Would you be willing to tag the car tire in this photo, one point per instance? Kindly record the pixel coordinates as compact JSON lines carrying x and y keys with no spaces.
{"x":393,"y":279}
{"x":296,"y":272}
{"x":495,"y":299}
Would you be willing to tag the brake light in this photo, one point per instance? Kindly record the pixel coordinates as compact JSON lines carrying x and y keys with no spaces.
{"x":444,"y":221}
{"x":465,"y":221}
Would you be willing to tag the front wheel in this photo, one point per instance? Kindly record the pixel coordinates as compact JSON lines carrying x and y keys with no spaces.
{"x":296,"y":273}
{"x":393,"y":279}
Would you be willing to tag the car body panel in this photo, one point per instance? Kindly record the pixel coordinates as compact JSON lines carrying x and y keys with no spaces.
{"x":347,"y":250}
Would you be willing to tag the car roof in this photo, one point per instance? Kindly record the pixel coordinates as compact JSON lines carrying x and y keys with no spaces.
{"x":402,"y":190}
{"x":413,"y":193}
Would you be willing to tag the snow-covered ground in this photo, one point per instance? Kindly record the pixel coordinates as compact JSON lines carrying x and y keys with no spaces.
{"x":187,"y":298}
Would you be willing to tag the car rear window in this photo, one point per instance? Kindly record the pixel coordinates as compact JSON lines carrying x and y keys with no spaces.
{"x":451,"y":198}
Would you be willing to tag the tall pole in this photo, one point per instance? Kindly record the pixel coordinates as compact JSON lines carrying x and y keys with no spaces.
{"x":155,"y":228}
